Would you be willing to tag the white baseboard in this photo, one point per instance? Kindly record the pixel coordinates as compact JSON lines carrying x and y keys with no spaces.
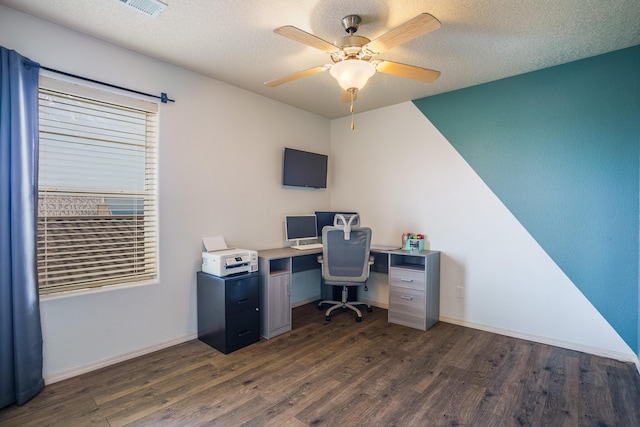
{"x":603,"y":352}
{"x":305,"y":301}
{"x":375,"y":303}
{"x":59,"y":376}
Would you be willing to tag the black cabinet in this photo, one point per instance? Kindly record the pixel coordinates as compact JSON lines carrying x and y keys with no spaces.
{"x":228,"y":311}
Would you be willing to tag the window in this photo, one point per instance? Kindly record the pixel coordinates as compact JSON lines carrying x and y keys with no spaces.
{"x":97,"y":192}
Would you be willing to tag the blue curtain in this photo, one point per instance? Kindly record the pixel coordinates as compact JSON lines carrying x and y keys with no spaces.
{"x":20,"y":330}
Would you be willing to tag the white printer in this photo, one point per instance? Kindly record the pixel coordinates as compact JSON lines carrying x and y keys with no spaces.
{"x":229,"y":261}
{"x":222,"y":261}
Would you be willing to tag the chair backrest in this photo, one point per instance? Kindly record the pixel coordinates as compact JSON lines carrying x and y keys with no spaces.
{"x":345,"y":260}
{"x":346,"y":222}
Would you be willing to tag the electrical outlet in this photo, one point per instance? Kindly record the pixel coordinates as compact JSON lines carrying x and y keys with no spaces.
{"x":460,"y":291}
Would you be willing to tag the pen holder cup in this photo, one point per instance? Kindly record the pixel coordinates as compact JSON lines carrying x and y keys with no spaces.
{"x":414,"y":245}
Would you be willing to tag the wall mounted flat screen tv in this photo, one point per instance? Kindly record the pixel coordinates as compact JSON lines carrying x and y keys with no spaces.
{"x":304,"y":169}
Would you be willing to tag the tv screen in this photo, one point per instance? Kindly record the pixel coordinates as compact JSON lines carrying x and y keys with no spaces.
{"x":304,"y":169}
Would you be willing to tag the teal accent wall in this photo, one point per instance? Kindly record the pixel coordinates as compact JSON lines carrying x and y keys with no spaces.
{"x":560,"y":147}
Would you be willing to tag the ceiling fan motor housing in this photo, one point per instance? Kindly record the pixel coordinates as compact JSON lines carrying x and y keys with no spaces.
{"x":351,"y":23}
{"x":351,"y":46}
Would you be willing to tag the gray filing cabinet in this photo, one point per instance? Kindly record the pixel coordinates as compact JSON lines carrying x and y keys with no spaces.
{"x":414,"y":288}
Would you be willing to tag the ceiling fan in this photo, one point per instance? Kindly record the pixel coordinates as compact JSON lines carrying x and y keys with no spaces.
{"x":352,"y":56}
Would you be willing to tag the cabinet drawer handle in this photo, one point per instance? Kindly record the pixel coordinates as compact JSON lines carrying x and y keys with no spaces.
{"x":406,"y":297}
{"x":406,"y":280}
{"x":243,"y":333}
{"x":242,"y":301}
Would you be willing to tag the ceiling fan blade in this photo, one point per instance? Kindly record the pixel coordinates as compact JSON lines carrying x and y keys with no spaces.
{"x":408,"y":71}
{"x":346,"y":96}
{"x":303,"y":37}
{"x":416,"y":27}
{"x":296,"y":76}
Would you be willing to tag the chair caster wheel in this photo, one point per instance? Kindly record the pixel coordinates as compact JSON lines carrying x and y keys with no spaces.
{"x":369,"y":309}
{"x":358,"y":319}
{"x":327,"y":318}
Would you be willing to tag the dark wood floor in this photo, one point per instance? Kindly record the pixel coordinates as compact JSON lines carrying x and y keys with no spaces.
{"x":343,"y":373}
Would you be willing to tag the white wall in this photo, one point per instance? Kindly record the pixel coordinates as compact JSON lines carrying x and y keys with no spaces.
{"x":220,"y":174}
{"x":402,"y":175}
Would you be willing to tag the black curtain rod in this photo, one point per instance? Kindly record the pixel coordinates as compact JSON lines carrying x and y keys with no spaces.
{"x":163,"y":96}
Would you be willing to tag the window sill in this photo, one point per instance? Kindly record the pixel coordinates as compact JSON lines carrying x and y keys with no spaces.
{"x":89,"y":291}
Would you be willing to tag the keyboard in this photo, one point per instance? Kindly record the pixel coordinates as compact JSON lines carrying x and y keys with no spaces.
{"x":309,"y":246}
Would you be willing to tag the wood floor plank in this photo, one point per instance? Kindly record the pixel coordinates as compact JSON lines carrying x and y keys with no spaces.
{"x":500,"y":368}
{"x":605,"y":402}
{"x":558,"y":408}
{"x":53,"y":409}
{"x":295,"y":395}
{"x":622,"y":392}
{"x":342,"y":372}
{"x":454,"y":350}
{"x":127,"y":378}
{"x":393,"y":408}
{"x":152,"y":399}
{"x":450,"y":398}
{"x":333,"y":406}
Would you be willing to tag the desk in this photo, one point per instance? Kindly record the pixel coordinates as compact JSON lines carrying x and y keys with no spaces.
{"x":413,"y":277}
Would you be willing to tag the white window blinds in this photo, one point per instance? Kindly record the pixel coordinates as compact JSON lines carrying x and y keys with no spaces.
{"x":97,"y":191}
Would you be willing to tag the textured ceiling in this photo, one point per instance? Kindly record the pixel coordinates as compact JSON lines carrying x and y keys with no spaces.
{"x":233,"y":40}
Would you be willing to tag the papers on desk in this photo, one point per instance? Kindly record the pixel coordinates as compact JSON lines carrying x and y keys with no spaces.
{"x":214,"y":243}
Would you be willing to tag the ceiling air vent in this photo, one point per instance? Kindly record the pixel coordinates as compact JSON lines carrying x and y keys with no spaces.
{"x":150,"y":8}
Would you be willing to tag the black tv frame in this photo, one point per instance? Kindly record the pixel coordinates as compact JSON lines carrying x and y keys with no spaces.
{"x":304,"y":169}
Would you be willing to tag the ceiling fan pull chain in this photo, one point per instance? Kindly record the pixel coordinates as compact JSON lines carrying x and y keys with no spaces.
{"x":351,"y":108}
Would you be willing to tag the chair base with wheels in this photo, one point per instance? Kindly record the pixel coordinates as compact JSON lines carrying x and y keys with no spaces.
{"x":344,"y":304}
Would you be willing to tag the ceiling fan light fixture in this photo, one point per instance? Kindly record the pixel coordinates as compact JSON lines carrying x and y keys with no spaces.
{"x":352,"y":74}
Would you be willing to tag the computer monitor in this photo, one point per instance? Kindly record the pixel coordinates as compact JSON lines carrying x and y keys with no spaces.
{"x":300,"y":227}
{"x":325,"y":218}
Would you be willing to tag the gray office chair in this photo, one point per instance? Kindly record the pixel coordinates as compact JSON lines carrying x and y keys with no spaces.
{"x":345,"y":262}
